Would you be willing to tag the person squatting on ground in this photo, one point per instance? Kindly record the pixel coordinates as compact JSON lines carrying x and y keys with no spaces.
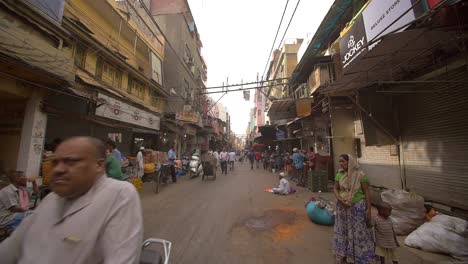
{"x":353,"y":239}
{"x":283,"y":188}
{"x":89,"y":218}
{"x":385,"y":238}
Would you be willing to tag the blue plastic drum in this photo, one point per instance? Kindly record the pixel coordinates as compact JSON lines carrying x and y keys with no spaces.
{"x":319,"y":215}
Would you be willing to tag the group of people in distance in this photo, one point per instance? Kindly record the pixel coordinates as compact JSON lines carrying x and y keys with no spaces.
{"x":224,"y":159}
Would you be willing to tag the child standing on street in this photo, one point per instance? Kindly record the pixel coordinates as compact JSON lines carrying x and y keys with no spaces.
{"x":385,"y":239}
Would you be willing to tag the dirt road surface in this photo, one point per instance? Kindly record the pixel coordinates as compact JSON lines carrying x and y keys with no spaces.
{"x":232,"y":220}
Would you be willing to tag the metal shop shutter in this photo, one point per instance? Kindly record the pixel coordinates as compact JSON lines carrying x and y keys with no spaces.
{"x":434,"y":129}
{"x":380,"y":163}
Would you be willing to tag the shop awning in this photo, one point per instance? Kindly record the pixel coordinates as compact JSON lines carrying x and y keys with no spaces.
{"x":395,"y":54}
{"x":297,"y":119}
{"x":88,"y":79}
{"x":287,"y":139}
{"x":145,"y":131}
{"x":290,"y":108}
{"x":282,"y":109}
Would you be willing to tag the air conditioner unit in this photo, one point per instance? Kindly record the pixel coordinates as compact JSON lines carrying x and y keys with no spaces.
{"x":323,"y":75}
{"x":190,"y":61}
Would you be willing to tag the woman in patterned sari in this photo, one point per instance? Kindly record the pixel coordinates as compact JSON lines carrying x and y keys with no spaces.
{"x":353,"y":241}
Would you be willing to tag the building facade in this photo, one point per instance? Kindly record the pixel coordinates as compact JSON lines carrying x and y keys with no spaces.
{"x":95,"y":70}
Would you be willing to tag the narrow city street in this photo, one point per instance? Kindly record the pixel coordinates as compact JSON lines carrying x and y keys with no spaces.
{"x":232,"y":220}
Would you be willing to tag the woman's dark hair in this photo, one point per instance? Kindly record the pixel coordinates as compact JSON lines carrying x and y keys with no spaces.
{"x":345,"y":157}
{"x":311,"y":149}
{"x":111,"y":143}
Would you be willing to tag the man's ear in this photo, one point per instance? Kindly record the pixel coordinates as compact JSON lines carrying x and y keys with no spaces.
{"x":101,"y":163}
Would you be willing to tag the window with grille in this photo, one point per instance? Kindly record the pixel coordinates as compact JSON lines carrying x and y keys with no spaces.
{"x":79,"y":56}
{"x":108,"y":73}
{"x":136,"y":88}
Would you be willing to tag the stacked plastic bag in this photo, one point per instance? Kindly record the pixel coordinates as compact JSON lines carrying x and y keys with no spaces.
{"x":408,"y":210}
{"x":443,"y":234}
{"x":321,"y":211}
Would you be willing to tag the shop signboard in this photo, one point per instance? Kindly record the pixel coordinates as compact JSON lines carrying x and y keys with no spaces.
{"x":156,"y":68}
{"x":353,"y":44}
{"x":187,"y":116}
{"x":379,"y":18}
{"x":383,"y":16}
{"x":280,"y":135}
{"x":114,"y":109}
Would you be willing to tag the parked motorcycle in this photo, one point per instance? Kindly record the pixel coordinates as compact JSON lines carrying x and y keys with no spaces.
{"x":185,"y":165}
{"x":196,"y":168}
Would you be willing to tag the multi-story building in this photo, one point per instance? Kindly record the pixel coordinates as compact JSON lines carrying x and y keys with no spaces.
{"x":185,"y":71}
{"x":281,"y":67}
{"x":78,"y":68}
{"x":393,"y":94}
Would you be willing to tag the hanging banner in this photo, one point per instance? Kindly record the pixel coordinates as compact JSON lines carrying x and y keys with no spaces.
{"x":114,"y":109}
{"x":191,"y":117}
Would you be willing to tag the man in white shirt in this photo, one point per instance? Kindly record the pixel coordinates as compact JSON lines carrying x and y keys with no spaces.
{"x":283,"y":188}
{"x":216,"y":157}
{"x":140,"y":163}
{"x":89,"y":218}
{"x":223,"y":157}
{"x":232,"y":158}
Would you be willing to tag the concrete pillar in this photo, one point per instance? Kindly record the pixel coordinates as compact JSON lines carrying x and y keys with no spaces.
{"x":32,"y":136}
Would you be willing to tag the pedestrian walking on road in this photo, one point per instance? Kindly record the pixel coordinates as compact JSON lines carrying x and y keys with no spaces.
{"x":216,"y":156}
{"x":171,"y":156}
{"x":258,"y":157}
{"x":60,"y":231}
{"x":251,"y":156}
{"x":224,"y":157}
{"x":232,"y":159}
{"x":353,"y":239}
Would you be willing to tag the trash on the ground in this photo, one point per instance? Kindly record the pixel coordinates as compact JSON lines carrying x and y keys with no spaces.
{"x":443,"y":234}
{"x":270,"y":190}
{"x":408,"y":211}
{"x":321,"y":211}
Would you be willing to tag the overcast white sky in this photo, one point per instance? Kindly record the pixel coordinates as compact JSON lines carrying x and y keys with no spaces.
{"x":237,"y":36}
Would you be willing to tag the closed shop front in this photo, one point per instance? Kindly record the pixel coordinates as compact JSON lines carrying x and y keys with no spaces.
{"x":381,"y":163}
{"x":434,"y":126}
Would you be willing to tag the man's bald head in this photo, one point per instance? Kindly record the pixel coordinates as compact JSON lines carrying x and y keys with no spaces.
{"x":96,"y":144}
{"x":77,"y":164}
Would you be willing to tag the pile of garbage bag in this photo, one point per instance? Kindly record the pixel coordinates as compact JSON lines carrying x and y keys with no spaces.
{"x":443,"y":234}
{"x":408,"y":211}
{"x":321,"y":211}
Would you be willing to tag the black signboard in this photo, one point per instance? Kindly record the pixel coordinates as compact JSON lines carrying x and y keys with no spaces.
{"x":353,"y":43}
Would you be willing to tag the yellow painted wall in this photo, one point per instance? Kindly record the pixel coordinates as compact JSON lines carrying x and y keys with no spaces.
{"x":105,"y":26}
